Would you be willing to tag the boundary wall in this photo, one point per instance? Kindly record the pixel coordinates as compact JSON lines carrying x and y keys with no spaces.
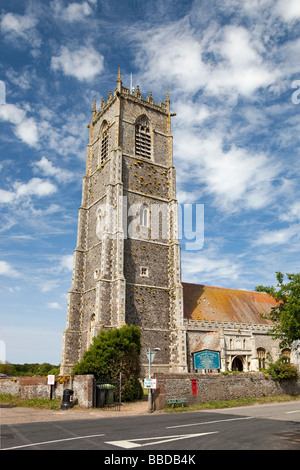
{"x":198,"y":388}
{"x":36,"y":387}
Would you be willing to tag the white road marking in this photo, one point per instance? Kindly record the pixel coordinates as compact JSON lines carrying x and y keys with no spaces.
{"x":296,"y":411}
{"x":208,"y":422}
{"x":51,"y":442}
{"x":134,"y":442}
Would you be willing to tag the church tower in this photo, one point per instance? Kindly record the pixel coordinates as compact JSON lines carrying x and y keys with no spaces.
{"x":127,"y":264}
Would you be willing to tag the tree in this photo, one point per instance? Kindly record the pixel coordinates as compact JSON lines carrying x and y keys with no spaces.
{"x":286,"y":314}
{"x":114,"y":351}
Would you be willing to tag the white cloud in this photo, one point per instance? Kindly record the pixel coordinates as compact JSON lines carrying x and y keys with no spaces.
{"x":228,"y":60}
{"x":208,"y":268}
{"x":292,"y":213}
{"x":7,"y":270}
{"x":288,"y":9}
{"x":83,"y":63}
{"x":66,"y":262}
{"x":235,"y":178}
{"x":179,"y":60}
{"x":34,"y":187}
{"x":189,"y":113}
{"x":54,"y":305}
{"x":25,"y":128}
{"x":240,"y":68}
{"x":74,"y":12}
{"x":18,"y":24}
{"x":20,"y":30}
{"x":278,"y":237}
{"x":48,"y":169}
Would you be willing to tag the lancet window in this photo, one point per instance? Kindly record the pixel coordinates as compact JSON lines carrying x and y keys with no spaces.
{"x":104,"y":142}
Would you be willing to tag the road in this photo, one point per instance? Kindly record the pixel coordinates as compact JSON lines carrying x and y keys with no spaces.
{"x":262,"y":427}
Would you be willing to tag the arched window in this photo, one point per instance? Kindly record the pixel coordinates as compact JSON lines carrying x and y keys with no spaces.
{"x":144,"y":217}
{"x":104,"y":142}
{"x":261,"y":355}
{"x":143,"y":137}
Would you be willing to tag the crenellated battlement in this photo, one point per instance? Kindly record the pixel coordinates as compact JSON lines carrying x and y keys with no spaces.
{"x":206,"y":325}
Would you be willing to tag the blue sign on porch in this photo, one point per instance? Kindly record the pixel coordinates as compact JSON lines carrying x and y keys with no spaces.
{"x":207,"y":360}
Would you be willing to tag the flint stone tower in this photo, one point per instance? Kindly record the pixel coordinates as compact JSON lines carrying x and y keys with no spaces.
{"x":127,"y":264}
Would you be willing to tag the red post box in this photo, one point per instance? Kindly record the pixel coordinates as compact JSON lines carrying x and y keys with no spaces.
{"x":194,"y":387}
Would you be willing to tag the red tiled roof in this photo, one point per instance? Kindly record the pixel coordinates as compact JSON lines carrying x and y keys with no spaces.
{"x":221,"y":304}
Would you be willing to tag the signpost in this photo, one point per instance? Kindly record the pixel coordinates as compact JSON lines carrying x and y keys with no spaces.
{"x":150,"y":382}
{"x":51,"y":382}
{"x":206,"y":360}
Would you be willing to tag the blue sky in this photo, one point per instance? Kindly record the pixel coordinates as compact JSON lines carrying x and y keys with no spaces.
{"x":232,"y":70}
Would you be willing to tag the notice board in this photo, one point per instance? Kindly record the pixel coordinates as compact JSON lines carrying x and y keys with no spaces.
{"x":206,"y":359}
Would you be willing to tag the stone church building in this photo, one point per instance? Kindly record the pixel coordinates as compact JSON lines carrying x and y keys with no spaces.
{"x":127,"y":262}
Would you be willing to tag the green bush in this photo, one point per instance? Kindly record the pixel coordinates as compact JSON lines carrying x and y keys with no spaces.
{"x":283,"y":370}
{"x":114,"y":351}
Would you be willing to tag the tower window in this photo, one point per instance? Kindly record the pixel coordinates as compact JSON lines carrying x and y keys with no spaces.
{"x":143,"y":137}
{"x":144,"y":271}
{"x":144,"y":217}
{"x":104,"y":143}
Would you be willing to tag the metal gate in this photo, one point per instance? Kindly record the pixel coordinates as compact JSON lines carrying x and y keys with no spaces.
{"x":107,"y":394}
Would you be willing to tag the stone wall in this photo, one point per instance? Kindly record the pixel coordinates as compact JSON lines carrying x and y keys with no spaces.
{"x":214,"y":387}
{"x":36,"y":387}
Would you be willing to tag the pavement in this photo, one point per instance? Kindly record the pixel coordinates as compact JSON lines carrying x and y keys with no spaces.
{"x":13,"y":415}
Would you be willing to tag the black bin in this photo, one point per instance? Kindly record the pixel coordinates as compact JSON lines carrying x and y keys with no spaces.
{"x":100,"y":396}
{"x":67,"y":401}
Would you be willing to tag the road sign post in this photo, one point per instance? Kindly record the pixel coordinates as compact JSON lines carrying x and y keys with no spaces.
{"x":150,"y":355}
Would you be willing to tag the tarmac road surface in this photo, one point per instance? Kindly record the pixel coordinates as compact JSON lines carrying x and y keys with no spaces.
{"x":137,"y":433}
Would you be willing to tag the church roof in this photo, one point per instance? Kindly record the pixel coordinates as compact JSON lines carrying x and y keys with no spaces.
{"x":222,"y":304}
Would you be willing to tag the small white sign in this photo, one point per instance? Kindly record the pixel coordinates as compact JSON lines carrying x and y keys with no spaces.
{"x":51,"y":379}
{"x":150,"y":383}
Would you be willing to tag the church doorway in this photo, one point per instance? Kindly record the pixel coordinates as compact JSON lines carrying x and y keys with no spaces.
{"x":237,"y":364}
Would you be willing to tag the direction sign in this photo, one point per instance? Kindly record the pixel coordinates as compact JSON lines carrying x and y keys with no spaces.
{"x":206,"y":359}
{"x":150,"y":383}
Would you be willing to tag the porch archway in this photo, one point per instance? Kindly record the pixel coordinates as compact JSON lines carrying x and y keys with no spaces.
{"x":237,"y":364}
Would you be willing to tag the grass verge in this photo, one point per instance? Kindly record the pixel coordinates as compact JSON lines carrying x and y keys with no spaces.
{"x":41,"y":403}
{"x":214,"y":405}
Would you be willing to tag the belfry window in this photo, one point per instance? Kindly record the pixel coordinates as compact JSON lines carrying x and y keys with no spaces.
{"x":104,"y":143}
{"x":142,"y":137}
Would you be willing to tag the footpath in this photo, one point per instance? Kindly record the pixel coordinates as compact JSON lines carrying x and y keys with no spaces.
{"x":14,"y":415}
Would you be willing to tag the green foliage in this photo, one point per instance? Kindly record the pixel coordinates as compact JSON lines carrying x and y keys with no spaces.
{"x":20,"y":370}
{"x":114,"y":351}
{"x":283,"y":370}
{"x":286,"y":315}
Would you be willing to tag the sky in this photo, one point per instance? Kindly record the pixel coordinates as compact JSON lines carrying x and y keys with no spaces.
{"x":233,"y":75}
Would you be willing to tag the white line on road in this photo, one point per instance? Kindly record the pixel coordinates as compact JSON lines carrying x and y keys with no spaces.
{"x":133,"y":442}
{"x":51,"y":442}
{"x":208,"y":422}
{"x":296,"y":411}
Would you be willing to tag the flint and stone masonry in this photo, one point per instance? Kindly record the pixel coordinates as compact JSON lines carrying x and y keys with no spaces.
{"x":127,"y":259}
